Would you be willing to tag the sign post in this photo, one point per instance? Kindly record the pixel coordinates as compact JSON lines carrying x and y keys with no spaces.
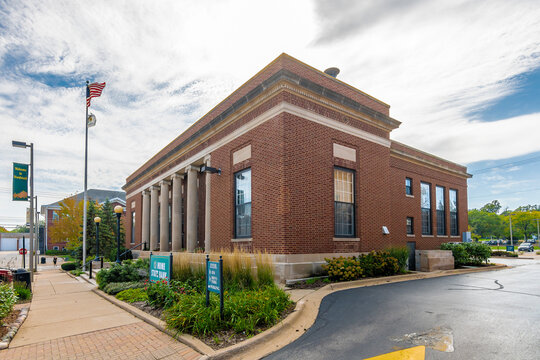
{"x":214,"y":281}
{"x":160,"y":267}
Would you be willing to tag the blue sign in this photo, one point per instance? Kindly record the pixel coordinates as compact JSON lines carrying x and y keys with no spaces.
{"x":510,"y":248}
{"x":160,"y":268}
{"x":213,"y":282}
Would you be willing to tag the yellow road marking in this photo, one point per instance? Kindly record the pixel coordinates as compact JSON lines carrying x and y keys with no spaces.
{"x":414,"y":353}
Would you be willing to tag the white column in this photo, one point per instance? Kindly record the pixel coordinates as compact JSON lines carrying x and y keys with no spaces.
{"x":154,"y":204}
{"x":164,"y":210}
{"x":176,"y":225}
{"x":207,"y":209}
{"x":192,"y":207}
{"x":145,"y":219}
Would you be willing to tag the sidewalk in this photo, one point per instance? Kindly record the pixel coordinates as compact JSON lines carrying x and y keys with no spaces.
{"x":68,"y":321}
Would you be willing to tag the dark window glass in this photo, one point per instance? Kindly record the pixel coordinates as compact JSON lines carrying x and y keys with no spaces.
{"x":425,"y":203}
{"x":133,"y":227}
{"x":410,"y":226}
{"x":408,"y":186}
{"x":343,"y":203}
{"x":453,"y":212}
{"x":441,"y":212}
{"x":242,"y":195}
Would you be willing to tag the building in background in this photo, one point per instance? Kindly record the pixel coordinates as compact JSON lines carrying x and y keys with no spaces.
{"x":300,"y":164}
{"x":49,"y":212}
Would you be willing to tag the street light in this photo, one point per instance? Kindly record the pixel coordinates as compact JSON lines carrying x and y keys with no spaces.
{"x":118,"y":211}
{"x":23,"y":145}
{"x":97,"y":220}
{"x":511,"y":238}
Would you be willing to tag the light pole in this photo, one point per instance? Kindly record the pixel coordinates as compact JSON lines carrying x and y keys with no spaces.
{"x":36,"y":230}
{"x":97,"y":220}
{"x":511,"y":238}
{"x":118,"y":211}
{"x":23,"y":145}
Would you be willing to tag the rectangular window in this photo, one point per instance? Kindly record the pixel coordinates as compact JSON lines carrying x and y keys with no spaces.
{"x":408,"y":186}
{"x":410,"y":226}
{"x":453,"y":212}
{"x":133,"y":227}
{"x":242,"y":204}
{"x":425,"y":204}
{"x":343,"y":202}
{"x":441,"y":212}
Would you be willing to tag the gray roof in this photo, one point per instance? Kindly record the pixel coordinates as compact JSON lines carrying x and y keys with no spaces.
{"x":97,"y":195}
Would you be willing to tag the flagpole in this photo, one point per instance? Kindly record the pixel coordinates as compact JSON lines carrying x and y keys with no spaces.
{"x":85,"y":179}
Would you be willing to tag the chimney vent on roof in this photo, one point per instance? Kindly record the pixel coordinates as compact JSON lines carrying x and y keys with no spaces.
{"x":333,"y":71}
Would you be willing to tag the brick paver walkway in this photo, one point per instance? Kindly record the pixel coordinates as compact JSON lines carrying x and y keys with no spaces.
{"x":132,"y":341}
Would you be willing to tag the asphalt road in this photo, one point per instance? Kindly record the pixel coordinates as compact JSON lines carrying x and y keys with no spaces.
{"x":487,"y":315}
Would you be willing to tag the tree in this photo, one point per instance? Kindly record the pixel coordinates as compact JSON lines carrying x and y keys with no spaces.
{"x":486,"y":224}
{"x":68,"y":225}
{"x":21,"y":229}
{"x":3,"y":229}
{"x":492,"y":207}
{"x":525,"y":223}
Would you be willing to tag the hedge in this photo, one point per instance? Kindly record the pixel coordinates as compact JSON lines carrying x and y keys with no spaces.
{"x":468,"y":253}
{"x":68,"y":266}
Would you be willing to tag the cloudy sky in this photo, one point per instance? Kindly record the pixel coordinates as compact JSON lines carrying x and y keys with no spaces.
{"x":463,"y":77}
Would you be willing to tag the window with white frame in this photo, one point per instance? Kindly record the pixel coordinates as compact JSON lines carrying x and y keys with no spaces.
{"x":242,"y":204}
{"x":344,"y":202}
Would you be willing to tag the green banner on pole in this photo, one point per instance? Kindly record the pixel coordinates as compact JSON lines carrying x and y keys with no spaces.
{"x":20,"y":182}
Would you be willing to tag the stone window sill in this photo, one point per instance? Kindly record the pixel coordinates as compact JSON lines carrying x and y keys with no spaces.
{"x":242,"y":240}
{"x":409,"y":196}
{"x":428,"y":236}
{"x":346,"y":239}
{"x":410,"y":235}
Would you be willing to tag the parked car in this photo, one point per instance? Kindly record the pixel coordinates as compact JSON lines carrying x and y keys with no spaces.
{"x":526,"y":247}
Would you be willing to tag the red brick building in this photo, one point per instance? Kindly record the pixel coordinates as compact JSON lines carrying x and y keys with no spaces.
{"x":307,"y":170}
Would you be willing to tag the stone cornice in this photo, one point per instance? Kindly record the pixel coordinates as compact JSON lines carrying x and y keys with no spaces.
{"x":281,"y":80}
{"x":423,"y":162}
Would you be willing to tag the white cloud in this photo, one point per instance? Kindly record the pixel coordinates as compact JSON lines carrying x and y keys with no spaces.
{"x":167,"y":63}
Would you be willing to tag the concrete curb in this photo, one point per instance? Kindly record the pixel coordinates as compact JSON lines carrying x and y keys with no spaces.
{"x":14,"y":328}
{"x":159,"y":324}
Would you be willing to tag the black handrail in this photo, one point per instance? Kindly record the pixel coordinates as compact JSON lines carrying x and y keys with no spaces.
{"x":131,"y":248}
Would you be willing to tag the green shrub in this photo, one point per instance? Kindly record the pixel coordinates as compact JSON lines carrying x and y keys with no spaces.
{"x":132,"y":295}
{"x":8,"y":298}
{"x":468,"y":253}
{"x":115,"y":288}
{"x":57,"y":252}
{"x":378,"y":263}
{"x":22,"y":292}
{"x":538,"y":253}
{"x":118,"y":273}
{"x":504,"y":253}
{"x":343,"y":268}
{"x":68,"y":266}
{"x":401,"y":254}
{"x":243,"y":311}
{"x":478,"y":252}
{"x":76,"y":272}
{"x":160,"y":294}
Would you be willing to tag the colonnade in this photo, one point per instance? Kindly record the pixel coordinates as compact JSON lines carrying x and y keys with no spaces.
{"x":155,"y":212}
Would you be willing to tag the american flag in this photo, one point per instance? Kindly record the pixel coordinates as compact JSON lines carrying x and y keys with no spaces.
{"x":93,"y":90}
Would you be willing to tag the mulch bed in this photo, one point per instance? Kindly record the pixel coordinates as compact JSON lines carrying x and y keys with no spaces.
{"x":311,"y":285}
{"x":142,"y":305}
{"x":7,"y":321}
{"x":219,"y":340}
